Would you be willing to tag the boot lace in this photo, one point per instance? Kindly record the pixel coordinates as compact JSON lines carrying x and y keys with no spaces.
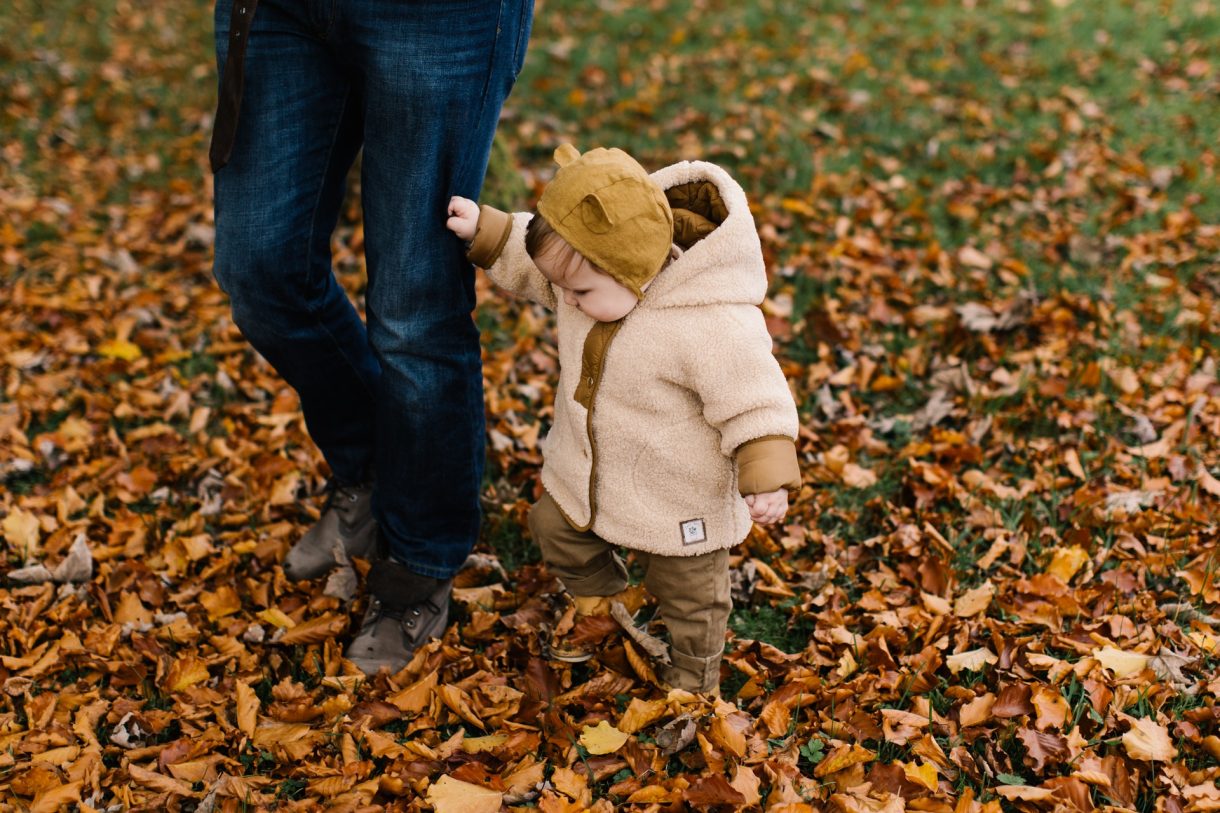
{"x":407,"y":615}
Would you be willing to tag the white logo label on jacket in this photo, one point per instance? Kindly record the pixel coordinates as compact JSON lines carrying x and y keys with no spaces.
{"x":693,"y":532}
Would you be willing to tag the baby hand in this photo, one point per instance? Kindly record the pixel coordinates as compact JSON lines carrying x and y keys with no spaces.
{"x":463,"y":217}
{"x":769,"y":507}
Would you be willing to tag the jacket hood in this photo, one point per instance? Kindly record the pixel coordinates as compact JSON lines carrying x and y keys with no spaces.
{"x":725,"y":263}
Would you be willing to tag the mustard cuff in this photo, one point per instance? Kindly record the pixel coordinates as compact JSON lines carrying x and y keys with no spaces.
{"x":767,"y":464}
{"x":490,"y":236}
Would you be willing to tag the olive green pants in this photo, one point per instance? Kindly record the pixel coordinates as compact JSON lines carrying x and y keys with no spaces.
{"x":692,"y":592}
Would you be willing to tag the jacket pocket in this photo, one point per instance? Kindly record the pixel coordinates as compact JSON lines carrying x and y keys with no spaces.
{"x":680,"y":465}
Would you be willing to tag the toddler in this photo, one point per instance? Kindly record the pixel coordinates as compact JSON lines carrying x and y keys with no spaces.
{"x":674,"y":427}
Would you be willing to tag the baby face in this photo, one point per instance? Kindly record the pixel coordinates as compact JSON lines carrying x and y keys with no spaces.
{"x":590,"y":291}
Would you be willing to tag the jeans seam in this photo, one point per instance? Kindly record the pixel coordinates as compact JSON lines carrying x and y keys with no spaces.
{"x":491,"y":69}
{"x":314,"y":311}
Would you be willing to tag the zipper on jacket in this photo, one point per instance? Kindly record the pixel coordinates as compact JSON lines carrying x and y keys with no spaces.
{"x":592,"y":379}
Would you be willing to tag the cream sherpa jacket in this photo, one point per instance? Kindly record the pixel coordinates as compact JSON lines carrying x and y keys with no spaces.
{"x":666,"y":417}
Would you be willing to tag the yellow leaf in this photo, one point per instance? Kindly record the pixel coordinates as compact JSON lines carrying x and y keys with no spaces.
{"x":975,"y":601}
{"x":640,"y":713}
{"x":21,"y":530}
{"x":1202,"y":640}
{"x":1120,"y":662}
{"x":220,"y":603}
{"x":1066,"y":561}
{"x":119,"y":349}
{"x":247,"y":709}
{"x":1149,"y":741}
{"x":276,"y":618}
{"x":602,"y":738}
{"x":924,"y":774}
{"x":843,"y":757}
{"x":476,"y":745}
{"x":973,"y":660}
{"x":185,"y":673}
{"x":798,"y":206}
{"x":449,"y":795}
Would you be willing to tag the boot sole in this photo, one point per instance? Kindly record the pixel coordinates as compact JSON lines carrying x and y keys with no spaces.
{"x":588,"y":656}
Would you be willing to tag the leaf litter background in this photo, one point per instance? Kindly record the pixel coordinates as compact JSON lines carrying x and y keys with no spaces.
{"x":993,"y":232}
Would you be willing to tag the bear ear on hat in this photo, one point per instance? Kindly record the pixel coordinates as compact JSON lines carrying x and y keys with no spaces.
{"x":566,"y":154}
{"x":594,"y":215}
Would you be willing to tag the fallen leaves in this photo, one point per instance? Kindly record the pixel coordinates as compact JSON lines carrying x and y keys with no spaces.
{"x":974,"y":601}
{"x":974,"y":659}
{"x":602,"y":738}
{"x":1123,"y":664}
{"x":1149,"y":741}
{"x":449,"y":795}
{"x":999,"y":581}
{"x":21,"y":531}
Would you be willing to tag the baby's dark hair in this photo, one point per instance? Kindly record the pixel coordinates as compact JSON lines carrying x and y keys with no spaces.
{"x":541,"y":239}
{"x":537,"y":234}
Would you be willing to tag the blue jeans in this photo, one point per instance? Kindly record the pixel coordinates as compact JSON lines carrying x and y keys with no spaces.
{"x":418,"y":84}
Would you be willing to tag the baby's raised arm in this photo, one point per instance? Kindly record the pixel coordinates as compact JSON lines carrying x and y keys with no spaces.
{"x":495,"y":242}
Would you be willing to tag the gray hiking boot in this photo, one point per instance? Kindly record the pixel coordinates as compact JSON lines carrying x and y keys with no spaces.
{"x":346,"y":524}
{"x":405,"y":610}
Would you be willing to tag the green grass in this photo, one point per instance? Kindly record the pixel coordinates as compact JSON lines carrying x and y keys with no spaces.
{"x":980,"y":109}
{"x":772,"y":625}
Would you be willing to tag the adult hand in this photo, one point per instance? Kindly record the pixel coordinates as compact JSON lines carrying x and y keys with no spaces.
{"x":769,"y":507}
{"x":463,"y":217}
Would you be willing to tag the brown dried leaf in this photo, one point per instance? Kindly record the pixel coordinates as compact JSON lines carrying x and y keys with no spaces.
{"x":1149,"y":741}
{"x":316,"y":630}
{"x":449,"y":795}
{"x":843,"y":757}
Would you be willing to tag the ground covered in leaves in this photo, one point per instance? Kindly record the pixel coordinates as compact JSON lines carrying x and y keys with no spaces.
{"x":993,"y":231}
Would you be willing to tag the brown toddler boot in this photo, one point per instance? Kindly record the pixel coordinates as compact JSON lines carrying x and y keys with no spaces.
{"x":586,"y":622}
{"x":346,"y":524}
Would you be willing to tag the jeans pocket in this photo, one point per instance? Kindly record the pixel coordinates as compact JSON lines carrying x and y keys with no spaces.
{"x":524,"y":24}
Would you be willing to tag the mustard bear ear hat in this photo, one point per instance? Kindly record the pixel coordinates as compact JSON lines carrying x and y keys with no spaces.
{"x":605,"y":205}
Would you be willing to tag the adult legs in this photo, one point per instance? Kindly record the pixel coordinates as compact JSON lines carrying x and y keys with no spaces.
{"x":277,"y":203}
{"x":434,"y":74}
